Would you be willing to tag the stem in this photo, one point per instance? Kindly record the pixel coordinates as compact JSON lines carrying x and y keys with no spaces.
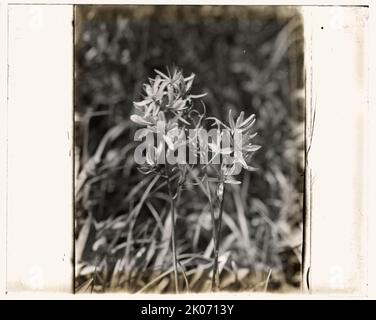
{"x":211,"y":214}
{"x":215,"y":280}
{"x":214,"y":235}
{"x":173,"y":235}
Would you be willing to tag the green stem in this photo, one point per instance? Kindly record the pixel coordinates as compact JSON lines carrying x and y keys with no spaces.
{"x":173,"y":235}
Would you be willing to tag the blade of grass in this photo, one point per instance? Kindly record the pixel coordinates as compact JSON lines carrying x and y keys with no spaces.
{"x":241,"y":216}
{"x":185,"y":277}
{"x":215,"y":278}
{"x":164,"y":274}
{"x":173,"y":234}
{"x":267,"y":280}
{"x":155,"y":215}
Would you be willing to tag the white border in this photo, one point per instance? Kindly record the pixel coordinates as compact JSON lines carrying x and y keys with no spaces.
{"x":339,"y":98}
{"x":369,"y":163}
{"x":39,"y":150}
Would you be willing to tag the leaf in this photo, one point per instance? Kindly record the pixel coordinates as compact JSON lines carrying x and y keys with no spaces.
{"x":164,"y":274}
{"x":83,"y":237}
{"x":156,"y":216}
{"x":119,"y":225}
{"x":100,"y":242}
{"x":85,"y":286}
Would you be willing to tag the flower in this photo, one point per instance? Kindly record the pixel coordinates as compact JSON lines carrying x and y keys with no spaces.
{"x":167,"y":93}
{"x":168,"y":103}
{"x":142,"y":120}
{"x":154,"y":93}
{"x":242,"y":125}
{"x":178,"y":88}
{"x":175,"y":138}
{"x":239,"y":147}
{"x":149,"y":107}
{"x":152,"y":163}
{"x":216,"y":147}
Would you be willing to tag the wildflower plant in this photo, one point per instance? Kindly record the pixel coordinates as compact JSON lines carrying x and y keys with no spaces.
{"x":175,"y":144}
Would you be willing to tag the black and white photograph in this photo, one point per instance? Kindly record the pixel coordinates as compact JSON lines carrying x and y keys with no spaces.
{"x":189,"y":126}
{"x":187,"y":158}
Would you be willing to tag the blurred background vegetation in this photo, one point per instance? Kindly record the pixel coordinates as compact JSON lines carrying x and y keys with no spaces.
{"x":245,"y":58}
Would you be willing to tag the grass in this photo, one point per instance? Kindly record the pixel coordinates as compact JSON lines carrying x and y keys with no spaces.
{"x":173,"y":233}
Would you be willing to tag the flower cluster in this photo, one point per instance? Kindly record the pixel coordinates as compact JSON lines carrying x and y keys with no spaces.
{"x":240,"y":138}
{"x":169,"y":94}
{"x":165,"y":112}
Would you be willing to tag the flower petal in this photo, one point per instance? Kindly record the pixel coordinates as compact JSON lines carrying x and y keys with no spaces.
{"x":139,"y":120}
{"x":162,"y":74}
{"x":142,"y":103}
{"x":179,"y":105}
{"x":213,"y":147}
{"x":226,"y":151}
{"x":232,"y":181}
{"x":240,"y":119}
{"x":156,"y":83}
{"x":231,"y":120}
{"x":189,"y":81}
{"x":140,"y":133}
{"x":150,"y":155}
{"x":252,"y":148}
{"x":246,"y":122}
{"x":197,"y":96}
{"x":169,"y":142}
{"x":148,"y":89}
{"x":183,"y":120}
